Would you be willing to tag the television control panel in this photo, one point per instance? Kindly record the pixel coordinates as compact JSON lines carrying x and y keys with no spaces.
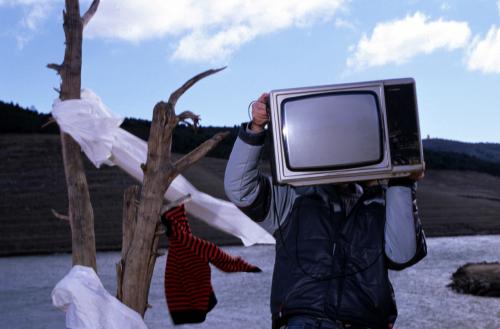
{"x":402,"y":120}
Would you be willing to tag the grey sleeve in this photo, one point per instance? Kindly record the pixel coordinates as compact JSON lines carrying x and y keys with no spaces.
{"x":404,"y":238}
{"x":242,"y":176}
{"x":248,"y":188}
{"x":400,"y":243}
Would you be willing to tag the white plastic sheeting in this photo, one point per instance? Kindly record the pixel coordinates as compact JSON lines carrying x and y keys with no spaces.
{"x":98,"y":132}
{"x":89,"y":306}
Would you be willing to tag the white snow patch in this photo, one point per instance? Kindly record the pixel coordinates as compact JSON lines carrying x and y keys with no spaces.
{"x":423,"y":299}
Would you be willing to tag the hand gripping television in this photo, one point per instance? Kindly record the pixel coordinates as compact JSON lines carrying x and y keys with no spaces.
{"x":345,"y":132}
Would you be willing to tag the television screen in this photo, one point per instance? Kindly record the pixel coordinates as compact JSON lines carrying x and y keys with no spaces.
{"x":333,"y":130}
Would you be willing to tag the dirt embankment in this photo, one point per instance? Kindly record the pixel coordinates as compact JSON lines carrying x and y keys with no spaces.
{"x":32,"y":183}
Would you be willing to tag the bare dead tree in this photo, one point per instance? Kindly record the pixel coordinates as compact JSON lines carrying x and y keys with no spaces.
{"x":135,"y":270}
{"x":81,"y":216}
{"x":141,"y":229}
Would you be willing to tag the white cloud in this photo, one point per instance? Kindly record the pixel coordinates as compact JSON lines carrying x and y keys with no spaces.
{"x":36,"y":15}
{"x":445,"y":6}
{"x":22,"y":2}
{"x":345,"y":24}
{"x":399,"y":41}
{"x":21,"y":41}
{"x":35,"y":11}
{"x":209,"y":30}
{"x":484,"y":55}
{"x":197,"y":46}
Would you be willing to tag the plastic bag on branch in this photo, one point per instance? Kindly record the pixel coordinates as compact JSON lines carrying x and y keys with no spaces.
{"x":98,"y":132}
{"x":89,"y":306}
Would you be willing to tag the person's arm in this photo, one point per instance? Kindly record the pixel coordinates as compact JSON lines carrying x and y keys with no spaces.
{"x":244,"y":184}
{"x":404,"y":237}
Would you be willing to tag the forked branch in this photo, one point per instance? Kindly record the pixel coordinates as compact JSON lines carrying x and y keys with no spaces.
{"x":90,"y":12}
{"x":174,"y":97}
{"x":199,"y":152}
{"x":188,"y":115}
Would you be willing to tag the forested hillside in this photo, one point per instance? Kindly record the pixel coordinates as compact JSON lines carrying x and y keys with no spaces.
{"x":17,"y":120}
{"x":483,"y":151}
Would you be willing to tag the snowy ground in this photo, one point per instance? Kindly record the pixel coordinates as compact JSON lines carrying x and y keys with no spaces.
{"x":424,"y":300}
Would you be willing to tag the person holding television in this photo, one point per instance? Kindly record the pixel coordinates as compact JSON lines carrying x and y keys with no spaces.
{"x":334,"y":243}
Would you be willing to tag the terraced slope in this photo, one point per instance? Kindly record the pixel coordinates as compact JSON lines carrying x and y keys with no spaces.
{"x":32,"y":183}
{"x":459,"y":203}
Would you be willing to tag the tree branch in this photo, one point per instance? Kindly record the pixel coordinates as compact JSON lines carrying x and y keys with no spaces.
{"x":169,"y":205}
{"x":119,"y":279}
{"x":160,"y":232}
{"x":51,"y":121}
{"x":60,"y":216}
{"x":90,"y":13}
{"x":188,"y":115}
{"x":174,"y":97}
{"x":56,"y":67}
{"x":198,"y":153}
{"x":129,"y":219}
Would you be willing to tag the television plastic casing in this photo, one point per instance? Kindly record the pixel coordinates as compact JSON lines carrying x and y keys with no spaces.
{"x":401,"y":151}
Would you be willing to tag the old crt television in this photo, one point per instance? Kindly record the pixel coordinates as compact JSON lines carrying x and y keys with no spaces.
{"x":345,"y":132}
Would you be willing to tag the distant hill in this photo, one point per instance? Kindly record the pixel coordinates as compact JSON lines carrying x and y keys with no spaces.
{"x":489,"y":152}
{"x":459,"y":161}
{"x":455,"y":155}
{"x":15,"y":119}
{"x":439,"y":153}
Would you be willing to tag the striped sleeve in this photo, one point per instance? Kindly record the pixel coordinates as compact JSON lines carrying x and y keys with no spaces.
{"x":203,"y":249}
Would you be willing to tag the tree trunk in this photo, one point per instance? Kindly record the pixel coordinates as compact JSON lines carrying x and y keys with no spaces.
{"x":80,"y":209}
{"x":130,"y":202}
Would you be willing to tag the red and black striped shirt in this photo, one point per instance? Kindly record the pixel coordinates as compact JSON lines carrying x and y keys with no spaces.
{"x":188,"y":289}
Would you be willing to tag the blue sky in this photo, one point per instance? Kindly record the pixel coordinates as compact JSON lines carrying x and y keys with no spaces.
{"x":137,"y":52}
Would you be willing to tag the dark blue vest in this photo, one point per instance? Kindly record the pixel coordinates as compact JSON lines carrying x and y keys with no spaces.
{"x":332,"y":265}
